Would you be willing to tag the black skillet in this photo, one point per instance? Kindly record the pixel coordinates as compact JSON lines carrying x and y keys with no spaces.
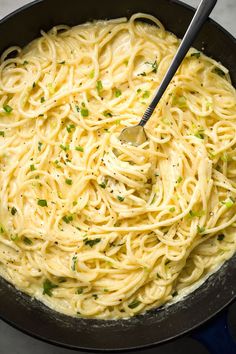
{"x":159,"y":325}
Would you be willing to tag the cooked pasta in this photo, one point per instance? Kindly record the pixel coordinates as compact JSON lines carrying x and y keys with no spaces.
{"x":93,"y":227}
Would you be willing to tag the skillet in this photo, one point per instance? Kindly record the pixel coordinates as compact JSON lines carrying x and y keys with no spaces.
{"x":157,"y":325}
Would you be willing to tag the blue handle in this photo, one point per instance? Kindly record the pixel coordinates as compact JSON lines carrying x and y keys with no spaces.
{"x":215,"y":335}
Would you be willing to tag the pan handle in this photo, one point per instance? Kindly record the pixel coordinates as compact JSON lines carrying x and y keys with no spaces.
{"x":216,"y":336}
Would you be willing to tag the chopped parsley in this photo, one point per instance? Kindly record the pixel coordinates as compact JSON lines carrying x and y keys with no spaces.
{"x":103,"y":184}
{"x":179,"y":101}
{"x":27,"y":241}
{"x":32,"y":168}
{"x":14,"y":238}
{"x":193,"y":214}
{"x":69,"y":181}
{"x":70,"y":127}
{"x":99,"y":87}
{"x":153,"y":65}
{"x":220,"y":237}
{"x":196,"y":55}
{"x":228,"y":202}
{"x":13,"y":211}
{"x":80,"y":291}
{"x":172,"y":209}
{"x":219,"y":72}
{"x":67,"y":219}
{"x":199,"y":134}
{"x":84,"y":111}
{"x":40,"y":146}
{"x":48,"y":286}
{"x":134,"y":304}
{"x":107,"y":114}
{"x":225,"y":157}
{"x":200,"y":229}
{"x":65,"y":147}
{"x":179,"y":180}
{"x":146,"y":94}
{"x":8,"y":109}
{"x":2,"y":133}
{"x":74,"y":262}
{"x":79,"y":148}
{"x":91,"y":75}
{"x":42,"y":100}
{"x":121,"y":199}
{"x":91,"y":243}
{"x":42,"y":203}
{"x":117,"y":92}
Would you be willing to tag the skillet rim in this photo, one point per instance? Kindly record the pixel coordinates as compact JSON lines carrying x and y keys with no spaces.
{"x":144,"y":346}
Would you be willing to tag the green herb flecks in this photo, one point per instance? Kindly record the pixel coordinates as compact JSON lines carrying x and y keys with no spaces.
{"x":146,"y":95}
{"x":117,"y":92}
{"x":179,"y":101}
{"x":153,"y":65}
{"x":134,"y":304}
{"x":40,"y":146}
{"x":121,"y":199}
{"x":69,"y":181}
{"x":70,"y":127}
{"x":32,"y":168}
{"x":196,"y":55}
{"x":103,"y":184}
{"x":8,"y":109}
{"x":199,"y":213}
{"x":27,"y":241}
{"x":179,"y":179}
{"x":84,"y":111}
{"x":91,"y":242}
{"x":99,"y":87}
{"x":229,"y":202}
{"x":219,"y":72}
{"x":74,"y":262}
{"x":142,"y":74}
{"x":48,"y":286}
{"x":15,"y":238}
{"x":107,"y":114}
{"x":199,"y":134}
{"x":79,"y":148}
{"x":65,"y":147}
{"x":91,"y":75}
{"x":13,"y":211}
{"x":42,"y":203}
{"x":200,"y":229}
{"x":220,"y":237}
{"x":2,"y":133}
{"x":67,"y":219}
{"x":80,"y":291}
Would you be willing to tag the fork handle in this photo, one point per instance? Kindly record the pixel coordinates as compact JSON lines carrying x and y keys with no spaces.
{"x":203,"y":11}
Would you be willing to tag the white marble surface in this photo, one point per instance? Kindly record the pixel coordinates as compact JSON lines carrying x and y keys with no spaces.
{"x":224,"y":12}
{"x":14,"y":342}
